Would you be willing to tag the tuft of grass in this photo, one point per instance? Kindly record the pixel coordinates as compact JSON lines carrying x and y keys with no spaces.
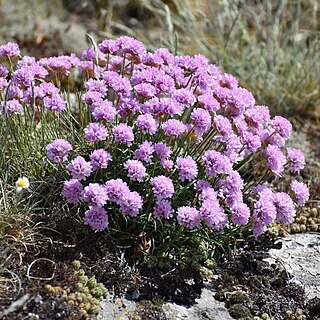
{"x":18,"y":234}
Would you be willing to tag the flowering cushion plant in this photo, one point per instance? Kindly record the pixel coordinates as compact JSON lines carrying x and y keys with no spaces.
{"x":170,"y":138}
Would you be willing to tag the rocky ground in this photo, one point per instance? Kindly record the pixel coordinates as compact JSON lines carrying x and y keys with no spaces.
{"x":280,"y":282}
{"x":292,"y":272}
{"x":300,"y":255}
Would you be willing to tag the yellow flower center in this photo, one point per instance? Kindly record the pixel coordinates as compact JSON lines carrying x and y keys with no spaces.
{"x":22,"y":183}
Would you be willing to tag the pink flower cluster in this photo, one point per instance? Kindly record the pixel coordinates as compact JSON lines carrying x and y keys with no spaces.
{"x":169,"y":134}
{"x":139,"y":101}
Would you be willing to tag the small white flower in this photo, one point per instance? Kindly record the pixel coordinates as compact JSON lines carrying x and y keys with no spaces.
{"x":22,"y":183}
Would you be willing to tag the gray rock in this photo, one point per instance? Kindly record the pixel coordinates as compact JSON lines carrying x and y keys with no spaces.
{"x":206,"y":308}
{"x":300,"y":255}
{"x":116,"y":309}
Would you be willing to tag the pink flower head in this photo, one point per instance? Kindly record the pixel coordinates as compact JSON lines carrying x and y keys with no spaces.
{"x":208,"y":102}
{"x":121,"y":86}
{"x":79,"y":168}
{"x":279,"y":131}
{"x":174,"y":127}
{"x":296,"y":159}
{"x":91,"y":55}
{"x":265,"y":211}
{"x":213,"y":215}
{"x":146,"y":123}
{"x":201,"y":119}
{"x":136,"y":170}
{"x":9,"y":50}
{"x":130,"y":46}
{"x":49,"y":89}
{"x":128,"y":106}
{"x":109,"y":46}
{"x":95,"y":195}
{"x":60,"y":65}
{"x":3,"y":83}
{"x":282,"y":126}
{"x":208,"y":193}
{"x":184,"y":96}
{"x":187,"y":167}
{"x":57,"y":151}
{"x":300,"y":191}
{"x":222,"y":125}
{"x":252,"y":142}
{"x":123,"y":133}
{"x":144,"y":152}
{"x":23,"y":77}
{"x":3,"y":71}
{"x":257,"y":116}
{"x":259,"y":189}
{"x":231,"y":184}
{"x":285,"y":207}
{"x":96,"y":218}
{"x":162,"y":209}
{"x":72,"y":190}
{"x":162,"y":187}
{"x":131,"y":204}
{"x":96,"y":131}
{"x":116,"y":190}
{"x":216,"y":163}
{"x":145,"y":90}
{"x":104,"y":111}
{"x":202,"y":184}
{"x":228,"y":81}
{"x":240,"y":214}
{"x":167,"y":164}
{"x":100,"y":158}
{"x":14,"y":92}
{"x":165,"y":55}
{"x":239,"y":100}
{"x":13,"y":107}
{"x":54,"y":103}
{"x":162,"y":150}
{"x":275,"y":159}
{"x":93,"y":97}
{"x":188,"y":217}
{"x":96,"y":86}
{"x":171,"y":106}
{"x":259,"y":227}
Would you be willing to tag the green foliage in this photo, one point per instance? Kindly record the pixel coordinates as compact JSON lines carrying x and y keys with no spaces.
{"x":24,"y":138}
{"x":159,"y":243}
